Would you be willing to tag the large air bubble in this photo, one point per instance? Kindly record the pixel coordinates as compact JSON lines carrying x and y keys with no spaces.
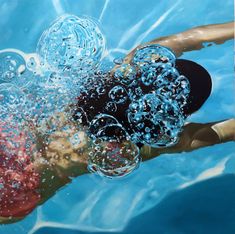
{"x":113,"y":158}
{"x":13,"y":69}
{"x":153,"y":54}
{"x":71,"y":44}
{"x":155,"y":120}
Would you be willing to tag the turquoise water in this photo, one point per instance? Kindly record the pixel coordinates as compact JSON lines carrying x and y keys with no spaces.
{"x":177,"y":193}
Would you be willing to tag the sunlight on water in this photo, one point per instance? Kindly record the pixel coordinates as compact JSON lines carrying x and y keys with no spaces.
{"x":77,"y":206}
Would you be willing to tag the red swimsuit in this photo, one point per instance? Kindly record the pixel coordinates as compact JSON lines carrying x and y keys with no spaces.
{"x":18,"y":179}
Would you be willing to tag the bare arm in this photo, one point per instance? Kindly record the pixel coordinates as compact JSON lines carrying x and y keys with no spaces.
{"x":195,"y":136}
{"x":62,"y":160}
{"x":192,"y":39}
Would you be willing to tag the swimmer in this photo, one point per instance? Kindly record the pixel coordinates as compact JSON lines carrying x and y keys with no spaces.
{"x":61,"y":158}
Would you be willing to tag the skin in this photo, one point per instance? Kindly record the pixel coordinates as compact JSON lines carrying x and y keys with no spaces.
{"x":194,"y":136}
{"x":193,"y":39}
{"x":58,"y":159}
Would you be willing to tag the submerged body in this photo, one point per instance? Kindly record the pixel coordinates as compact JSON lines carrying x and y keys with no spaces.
{"x":58,"y":159}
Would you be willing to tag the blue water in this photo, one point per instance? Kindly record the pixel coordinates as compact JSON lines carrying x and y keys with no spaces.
{"x":176,"y":193}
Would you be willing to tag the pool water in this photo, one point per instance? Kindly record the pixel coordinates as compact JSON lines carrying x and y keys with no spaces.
{"x":176,"y":193}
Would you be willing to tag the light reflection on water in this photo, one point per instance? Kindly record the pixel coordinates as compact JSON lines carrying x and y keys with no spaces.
{"x":97,"y":204}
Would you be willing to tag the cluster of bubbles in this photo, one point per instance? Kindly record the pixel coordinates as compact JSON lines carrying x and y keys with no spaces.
{"x":15,"y":77}
{"x":149,"y":92}
{"x":70,"y":51}
{"x":142,"y":103}
{"x":10,"y":67}
{"x":157,"y":94}
{"x":156,"y":121}
{"x":153,"y":94}
{"x":34,"y":87}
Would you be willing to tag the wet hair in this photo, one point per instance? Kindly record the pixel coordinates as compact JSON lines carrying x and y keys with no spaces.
{"x":92,"y":102}
{"x":200,"y":84}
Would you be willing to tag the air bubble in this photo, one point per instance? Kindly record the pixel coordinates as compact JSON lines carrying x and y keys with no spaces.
{"x":118,"y":94}
{"x":155,"y":120}
{"x":13,"y":69}
{"x":112,"y":132}
{"x":113,"y":158}
{"x":154,"y":54}
{"x":111,"y":107}
{"x":118,"y":61}
{"x":71,"y":43}
{"x":101,"y":121}
{"x":31,"y":64}
{"x":125,"y":74}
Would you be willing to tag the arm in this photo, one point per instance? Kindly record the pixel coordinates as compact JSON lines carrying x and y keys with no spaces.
{"x":195,"y":136}
{"x":60,"y":159}
{"x":65,"y":160}
{"x":193,"y":39}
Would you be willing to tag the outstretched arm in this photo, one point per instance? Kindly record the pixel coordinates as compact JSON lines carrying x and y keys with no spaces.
{"x":62,"y":159}
{"x":194,"y":136}
{"x":192,"y":39}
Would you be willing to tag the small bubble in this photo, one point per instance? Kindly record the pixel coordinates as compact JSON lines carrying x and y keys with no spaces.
{"x":111,"y":107}
{"x":31,"y":64}
{"x":118,"y":61}
{"x":118,"y":94}
{"x":125,"y":74}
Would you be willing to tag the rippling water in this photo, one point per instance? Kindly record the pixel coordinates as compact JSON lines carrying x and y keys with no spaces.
{"x":97,"y":204}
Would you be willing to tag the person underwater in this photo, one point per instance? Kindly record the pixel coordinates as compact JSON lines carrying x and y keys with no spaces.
{"x":30,"y":177}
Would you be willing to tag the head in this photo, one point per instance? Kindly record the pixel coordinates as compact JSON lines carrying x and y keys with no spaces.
{"x":108,"y":100}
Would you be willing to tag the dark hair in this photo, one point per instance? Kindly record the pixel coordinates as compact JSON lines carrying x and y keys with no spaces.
{"x":200,"y":84}
{"x":91,"y":102}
